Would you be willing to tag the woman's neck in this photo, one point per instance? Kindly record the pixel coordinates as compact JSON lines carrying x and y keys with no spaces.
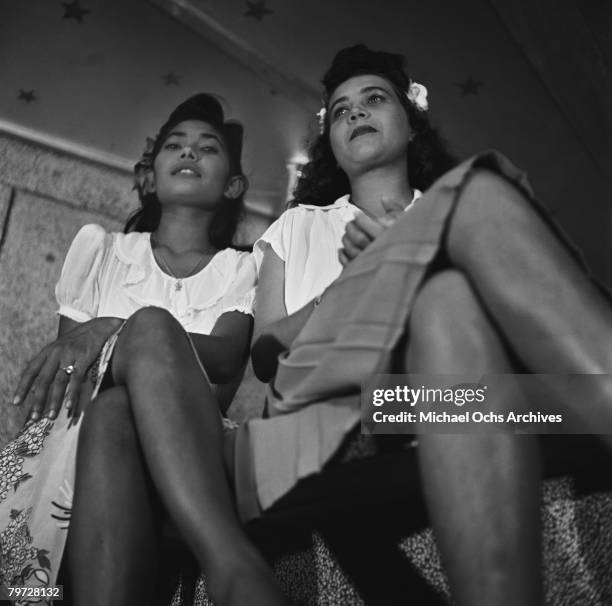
{"x":183,"y":229}
{"x":386,"y":182}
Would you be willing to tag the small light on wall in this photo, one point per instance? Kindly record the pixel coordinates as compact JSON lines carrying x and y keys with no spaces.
{"x":300,"y":157}
{"x":294,"y":168}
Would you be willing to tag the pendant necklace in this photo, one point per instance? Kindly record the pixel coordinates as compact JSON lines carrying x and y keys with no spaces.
{"x":178,"y":285}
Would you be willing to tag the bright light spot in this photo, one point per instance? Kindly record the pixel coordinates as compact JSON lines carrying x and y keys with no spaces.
{"x":299,"y":158}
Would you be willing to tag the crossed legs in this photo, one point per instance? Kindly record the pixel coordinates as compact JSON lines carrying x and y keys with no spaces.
{"x":179,"y":432}
{"x":513,"y":277}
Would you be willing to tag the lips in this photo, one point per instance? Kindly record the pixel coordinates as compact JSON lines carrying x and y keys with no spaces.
{"x":362,"y":130}
{"x":186,"y":169}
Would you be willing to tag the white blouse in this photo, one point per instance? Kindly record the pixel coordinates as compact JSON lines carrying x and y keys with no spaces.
{"x":115,"y":274}
{"x":307,"y":239}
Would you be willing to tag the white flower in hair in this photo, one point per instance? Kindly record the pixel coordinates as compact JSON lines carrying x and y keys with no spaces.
{"x":417,"y":94}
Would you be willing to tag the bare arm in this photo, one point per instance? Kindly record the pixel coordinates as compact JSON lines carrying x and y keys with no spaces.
{"x":274,"y":331}
{"x":223,"y":353}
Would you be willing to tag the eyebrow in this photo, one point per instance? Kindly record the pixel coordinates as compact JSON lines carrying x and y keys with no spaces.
{"x":365,"y":89}
{"x":180,"y":133}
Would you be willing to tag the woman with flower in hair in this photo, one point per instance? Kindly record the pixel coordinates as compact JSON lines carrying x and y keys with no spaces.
{"x":166,"y":310}
{"x":392,"y":258}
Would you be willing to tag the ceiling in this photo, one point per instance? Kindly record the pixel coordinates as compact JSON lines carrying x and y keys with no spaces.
{"x":528,"y":77}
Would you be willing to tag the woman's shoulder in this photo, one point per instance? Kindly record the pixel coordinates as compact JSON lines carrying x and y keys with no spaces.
{"x":131,"y":247}
{"x":91,"y":235}
{"x":307,"y":214}
{"x":95,"y":235}
{"x":232,"y":264}
{"x":111,"y":248}
{"x":233,"y":258}
{"x":341,"y":204}
{"x":91,"y":239}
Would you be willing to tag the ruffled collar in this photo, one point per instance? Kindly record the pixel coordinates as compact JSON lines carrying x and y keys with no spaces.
{"x":147,"y":284}
{"x":345,"y":201}
{"x":342,"y":202}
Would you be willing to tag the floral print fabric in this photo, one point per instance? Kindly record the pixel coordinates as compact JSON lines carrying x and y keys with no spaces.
{"x":36,"y":484}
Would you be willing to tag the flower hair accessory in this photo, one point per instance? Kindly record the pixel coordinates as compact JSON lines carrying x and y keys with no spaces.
{"x":143,"y":170}
{"x":417,"y":95}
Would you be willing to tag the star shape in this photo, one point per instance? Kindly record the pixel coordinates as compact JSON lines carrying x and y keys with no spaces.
{"x":469,"y":86}
{"x":257,"y":10}
{"x":73,"y":10}
{"x":171,"y":79}
{"x":27,"y":95}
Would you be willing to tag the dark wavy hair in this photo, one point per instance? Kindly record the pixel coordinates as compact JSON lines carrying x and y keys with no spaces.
{"x":321,"y":180}
{"x":207,"y":108}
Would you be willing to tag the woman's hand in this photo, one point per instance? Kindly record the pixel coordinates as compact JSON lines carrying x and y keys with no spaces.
{"x":60,"y":369}
{"x":364,"y":229}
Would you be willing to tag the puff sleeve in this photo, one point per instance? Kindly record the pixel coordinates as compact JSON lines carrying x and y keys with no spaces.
{"x":241,"y":294}
{"x":77,"y":291}
{"x":277,"y":236}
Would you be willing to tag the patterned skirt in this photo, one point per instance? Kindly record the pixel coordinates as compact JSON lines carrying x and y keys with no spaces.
{"x":37,"y":471}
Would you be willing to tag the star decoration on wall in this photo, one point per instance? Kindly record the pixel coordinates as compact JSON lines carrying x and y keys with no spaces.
{"x":73,"y":10}
{"x":469,"y":86}
{"x":27,"y":96}
{"x":257,"y":10}
{"x":171,"y":79}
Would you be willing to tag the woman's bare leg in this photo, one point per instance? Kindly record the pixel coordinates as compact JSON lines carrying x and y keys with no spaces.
{"x":180,"y":432}
{"x":482,"y":490}
{"x":541,"y":300}
{"x":113,"y":541}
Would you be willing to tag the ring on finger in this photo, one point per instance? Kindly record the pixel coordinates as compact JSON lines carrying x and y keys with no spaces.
{"x":68,"y":369}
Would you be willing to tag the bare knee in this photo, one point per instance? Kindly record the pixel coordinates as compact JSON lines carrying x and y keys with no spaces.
{"x":150,"y":323}
{"x":444,"y":300}
{"x":483,"y":183}
{"x":148,"y":340}
{"x":490,"y":210}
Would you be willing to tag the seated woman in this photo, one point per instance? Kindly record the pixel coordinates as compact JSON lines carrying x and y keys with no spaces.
{"x":150,"y":444}
{"x":473,"y":278}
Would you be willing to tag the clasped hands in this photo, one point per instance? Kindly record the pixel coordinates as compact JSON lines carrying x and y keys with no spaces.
{"x":364,"y":229}
{"x":59,"y":372}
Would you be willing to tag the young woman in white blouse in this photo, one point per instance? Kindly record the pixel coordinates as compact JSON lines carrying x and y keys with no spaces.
{"x":472,"y":271}
{"x":150,"y":445}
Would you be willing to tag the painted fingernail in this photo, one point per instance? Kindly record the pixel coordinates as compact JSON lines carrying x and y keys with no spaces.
{"x":16,"y":400}
{"x":52,"y":414}
{"x":34,"y":416}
